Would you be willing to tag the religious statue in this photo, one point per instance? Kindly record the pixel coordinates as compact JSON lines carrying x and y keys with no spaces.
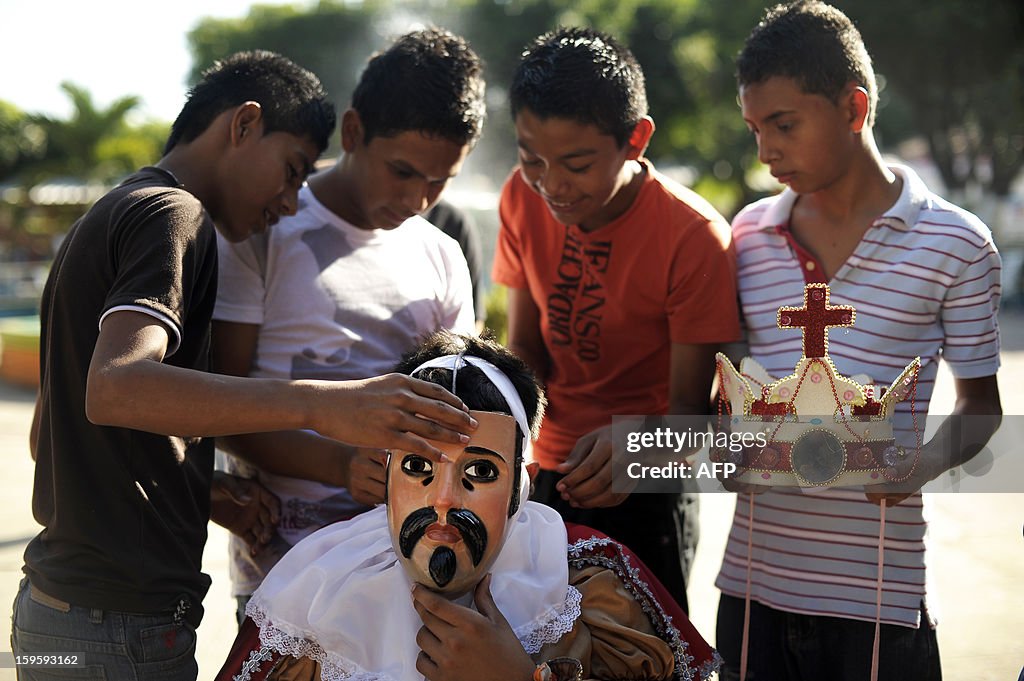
{"x":459,"y":576}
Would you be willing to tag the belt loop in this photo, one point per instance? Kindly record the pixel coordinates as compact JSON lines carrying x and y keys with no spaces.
{"x":96,"y":616}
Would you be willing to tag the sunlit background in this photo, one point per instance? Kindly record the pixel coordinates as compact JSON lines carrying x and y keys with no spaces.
{"x":88,"y":91}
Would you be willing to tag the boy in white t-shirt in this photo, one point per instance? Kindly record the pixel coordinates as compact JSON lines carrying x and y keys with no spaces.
{"x":354,"y":280}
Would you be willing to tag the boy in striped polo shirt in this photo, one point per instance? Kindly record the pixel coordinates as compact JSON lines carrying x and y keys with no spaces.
{"x":923,"y":275}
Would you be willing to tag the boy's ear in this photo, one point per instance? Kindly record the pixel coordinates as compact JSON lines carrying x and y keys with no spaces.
{"x":640,"y":138}
{"x":246,"y":122}
{"x":858,"y":104}
{"x":352,"y":132}
{"x":532,"y":469}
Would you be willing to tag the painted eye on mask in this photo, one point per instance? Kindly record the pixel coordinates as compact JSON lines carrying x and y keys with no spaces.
{"x":417,"y":466}
{"x":482,"y":471}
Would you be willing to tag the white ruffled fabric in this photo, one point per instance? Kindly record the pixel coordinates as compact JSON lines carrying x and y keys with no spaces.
{"x":341,"y":597}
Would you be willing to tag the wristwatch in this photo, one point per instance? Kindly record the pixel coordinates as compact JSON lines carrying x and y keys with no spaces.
{"x":559,"y":669}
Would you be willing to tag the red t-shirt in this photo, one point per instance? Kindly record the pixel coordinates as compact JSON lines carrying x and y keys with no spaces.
{"x":613,"y":301}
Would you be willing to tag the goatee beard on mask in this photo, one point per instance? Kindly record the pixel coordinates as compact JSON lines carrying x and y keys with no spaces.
{"x":442,"y":566}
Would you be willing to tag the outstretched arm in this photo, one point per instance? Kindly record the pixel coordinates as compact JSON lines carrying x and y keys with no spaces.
{"x":294,"y":453}
{"x":129,"y":386}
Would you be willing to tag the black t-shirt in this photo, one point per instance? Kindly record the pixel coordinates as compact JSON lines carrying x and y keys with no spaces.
{"x":124,"y":511}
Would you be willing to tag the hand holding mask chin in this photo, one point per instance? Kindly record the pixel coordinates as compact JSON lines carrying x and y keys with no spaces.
{"x":458,"y":643}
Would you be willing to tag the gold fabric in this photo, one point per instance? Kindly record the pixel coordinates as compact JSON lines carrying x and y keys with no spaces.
{"x":613,"y":637}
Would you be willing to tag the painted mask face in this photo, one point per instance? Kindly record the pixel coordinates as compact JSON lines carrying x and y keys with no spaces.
{"x":447,"y":520}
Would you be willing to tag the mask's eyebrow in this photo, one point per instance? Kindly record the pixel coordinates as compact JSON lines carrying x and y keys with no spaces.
{"x":475,"y":449}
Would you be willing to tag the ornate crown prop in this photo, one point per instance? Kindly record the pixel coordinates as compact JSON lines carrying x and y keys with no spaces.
{"x":821,"y":428}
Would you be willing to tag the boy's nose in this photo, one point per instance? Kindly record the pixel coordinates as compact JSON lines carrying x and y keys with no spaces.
{"x":417,"y":200}
{"x":766,"y":153}
{"x":290,"y":202}
{"x":551,"y":182}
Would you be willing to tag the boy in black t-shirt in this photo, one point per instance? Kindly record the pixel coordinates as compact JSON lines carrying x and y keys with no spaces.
{"x":126,"y":410}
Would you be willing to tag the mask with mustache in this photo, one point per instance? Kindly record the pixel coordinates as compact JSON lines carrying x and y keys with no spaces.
{"x":448,"y":519}
{"x":442,"y":560}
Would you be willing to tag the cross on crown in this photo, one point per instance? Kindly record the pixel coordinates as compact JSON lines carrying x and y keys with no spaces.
{"x":821,"y":427}
{"x":815,"y":318}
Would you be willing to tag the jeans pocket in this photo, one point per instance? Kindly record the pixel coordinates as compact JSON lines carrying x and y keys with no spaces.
{"x":28,"y":644}
{"x":165,"y":642}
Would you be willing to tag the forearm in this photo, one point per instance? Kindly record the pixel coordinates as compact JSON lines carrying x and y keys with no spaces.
{"x":691,"y":374}
{"x":963,"y":434}
{"x":294,"y":453}
{"x":524,"y":335}
{"x":160,"y":398}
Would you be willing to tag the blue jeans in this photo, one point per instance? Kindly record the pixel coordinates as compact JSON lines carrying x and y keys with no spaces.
{"x":114,"y":646}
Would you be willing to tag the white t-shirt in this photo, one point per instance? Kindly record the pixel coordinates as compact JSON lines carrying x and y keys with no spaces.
{"x":334,"y":302}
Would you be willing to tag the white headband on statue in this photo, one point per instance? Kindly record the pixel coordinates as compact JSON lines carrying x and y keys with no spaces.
{"x":496,"y":377}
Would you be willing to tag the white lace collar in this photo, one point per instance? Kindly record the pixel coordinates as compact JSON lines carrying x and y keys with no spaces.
{"x":341,"y":597}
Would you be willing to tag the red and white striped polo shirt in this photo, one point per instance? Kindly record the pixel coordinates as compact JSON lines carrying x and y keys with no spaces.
{"x":925,"y":282}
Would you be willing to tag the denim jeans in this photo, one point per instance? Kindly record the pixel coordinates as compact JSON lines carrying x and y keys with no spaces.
{"x":785,"y":646}
{"x":115,"y":646}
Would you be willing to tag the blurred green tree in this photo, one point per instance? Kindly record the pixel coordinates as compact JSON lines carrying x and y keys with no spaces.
{"x":957,"y":68}
{"x":22,"y":141}
{"x":950,"y":72}
{"x":332,"y":39}
{"x":93,"y":144}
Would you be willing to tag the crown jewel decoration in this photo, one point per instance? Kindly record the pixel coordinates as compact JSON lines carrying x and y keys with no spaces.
{"x":821,"y":428}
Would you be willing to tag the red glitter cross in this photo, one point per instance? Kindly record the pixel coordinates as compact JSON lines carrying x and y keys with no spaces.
{"x":815,"y":318}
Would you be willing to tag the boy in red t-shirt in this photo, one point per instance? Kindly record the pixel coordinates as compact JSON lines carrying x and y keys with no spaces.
{"x":621,"y":283}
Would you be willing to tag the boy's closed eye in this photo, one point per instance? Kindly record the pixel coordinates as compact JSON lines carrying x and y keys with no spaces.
{"x":402,"y":173}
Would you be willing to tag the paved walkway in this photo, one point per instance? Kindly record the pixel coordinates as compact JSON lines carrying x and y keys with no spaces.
{"x":976,"y":549}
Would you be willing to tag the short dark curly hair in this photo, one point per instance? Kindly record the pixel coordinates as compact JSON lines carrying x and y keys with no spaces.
{"x":292,"y":98}
{"x":582,"y":75}
{"x":813,"y":43}
{"x":429,"y":81}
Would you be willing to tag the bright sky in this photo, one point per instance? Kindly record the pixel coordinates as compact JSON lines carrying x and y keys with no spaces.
{"x":113,"y":48}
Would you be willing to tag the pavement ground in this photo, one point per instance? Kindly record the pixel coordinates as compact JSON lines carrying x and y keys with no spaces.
{"x":976,"y":550}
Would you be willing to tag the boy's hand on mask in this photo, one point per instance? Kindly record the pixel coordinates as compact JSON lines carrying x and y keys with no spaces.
{"x":390,"y":412}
